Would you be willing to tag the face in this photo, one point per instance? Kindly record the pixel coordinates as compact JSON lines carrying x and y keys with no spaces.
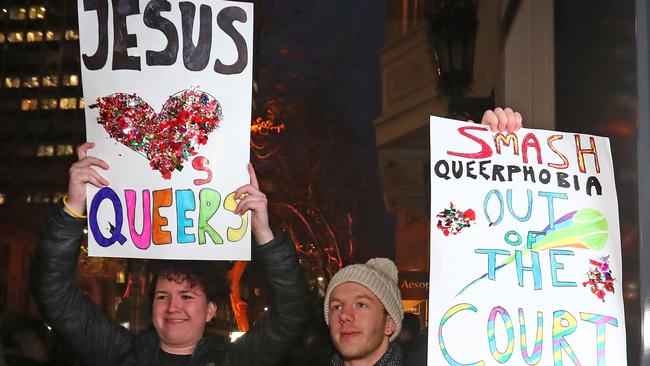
{"x":359,"y":325}
{"x":179,"y":315}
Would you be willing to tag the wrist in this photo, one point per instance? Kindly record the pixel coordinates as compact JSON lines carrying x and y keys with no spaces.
{"x":74,"y":209}
{"x":263,"y":236}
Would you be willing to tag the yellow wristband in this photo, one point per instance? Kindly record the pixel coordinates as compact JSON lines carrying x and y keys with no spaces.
{"x":72,"y":211}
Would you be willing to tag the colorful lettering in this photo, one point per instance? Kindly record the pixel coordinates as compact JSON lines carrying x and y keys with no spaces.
{"x":537,"y":349}
{"x":441,"y":342}
{"x":565,"y":161}
{"x":486,"y":150}
{"x":581,"y":153}
{"x":501,"y":357}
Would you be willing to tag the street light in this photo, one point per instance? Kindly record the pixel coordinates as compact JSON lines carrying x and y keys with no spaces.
{"x":453,"y":25}
{"x":452,"y":30}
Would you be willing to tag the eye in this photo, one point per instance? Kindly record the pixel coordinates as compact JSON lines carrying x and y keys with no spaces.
{"x":335,"y":307}
{"x":161,"y":297}
{"x":362,"y":305}
{"x":187,"y":297}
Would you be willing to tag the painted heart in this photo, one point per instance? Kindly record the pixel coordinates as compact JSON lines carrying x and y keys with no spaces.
{"x":167,"y":139}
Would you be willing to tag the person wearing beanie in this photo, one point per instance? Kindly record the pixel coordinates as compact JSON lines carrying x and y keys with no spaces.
{"x":363,"y":309}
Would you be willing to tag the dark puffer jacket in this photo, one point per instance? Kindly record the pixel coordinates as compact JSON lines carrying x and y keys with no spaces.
{"x":101,"y":341}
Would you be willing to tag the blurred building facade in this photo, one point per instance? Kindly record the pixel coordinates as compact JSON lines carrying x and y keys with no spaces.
{"x":42,"y":122}
{"x":41,"y":119}
{"x":411,"y":93}
{"x":568,"y":66}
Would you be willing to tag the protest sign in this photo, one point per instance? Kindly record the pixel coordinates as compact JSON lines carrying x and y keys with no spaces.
{"x":167,"y":86}
{"x":525,"y":249}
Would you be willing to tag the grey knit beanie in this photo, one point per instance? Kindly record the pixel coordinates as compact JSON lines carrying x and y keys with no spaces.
{"x":379,"y":275}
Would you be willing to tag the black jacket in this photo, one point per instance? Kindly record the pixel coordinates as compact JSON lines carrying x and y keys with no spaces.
{"x":101,"y":341}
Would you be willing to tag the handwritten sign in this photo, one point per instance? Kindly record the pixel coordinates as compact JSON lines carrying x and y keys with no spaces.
{"x":167,"y":86}
{"x":525,"y":249}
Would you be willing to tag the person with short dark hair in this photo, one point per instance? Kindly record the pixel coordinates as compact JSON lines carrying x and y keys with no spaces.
{"x":185,"y":295}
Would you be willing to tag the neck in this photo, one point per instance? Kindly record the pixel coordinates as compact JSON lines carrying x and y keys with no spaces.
{"x":371,"y":358}
{"x":178,"y":350}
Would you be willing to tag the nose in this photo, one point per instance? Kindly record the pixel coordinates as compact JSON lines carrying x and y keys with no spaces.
{"x":173,"y":305}
{"x":346,"y":315}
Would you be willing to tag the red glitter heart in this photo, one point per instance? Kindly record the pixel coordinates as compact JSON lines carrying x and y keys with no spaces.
{"x":167,"y":139}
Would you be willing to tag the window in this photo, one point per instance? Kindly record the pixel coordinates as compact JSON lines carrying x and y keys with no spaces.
{"x":38,"y":197}
{"x":2,"y":38}
{"x":71,"y":80}
{"x":50,"y":81}
{"x":34,"y":36}
{"x":71,"y":35}
{"x":64,"y":150}
{"x":68,"y":103}
{"x":29,"y":104}
{"x":37,"y":12}
{"x":52,"y":36}
{"x":30,"y":82}
{"x":15,"y":37}
{"x":12,"y":82}
{"x":17,"y":13}
{"x":82,"y":104}
{"x":49,"y":103}
{"x":45,"y":150}
{"x":2,"y":198}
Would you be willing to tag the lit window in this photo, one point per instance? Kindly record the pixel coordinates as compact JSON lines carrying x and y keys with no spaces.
{"x":50,"y":80}
{"x":36,"y":12}
{"x":70,"y":80}
{"x":64,"y":150}
{"x":71,"y":35}
{"x":45,"y":150}
{"x":2,"y":198}
{"x":30,"y":82}
{"x":15,"y":37}
{"x":82,"y":104}
{"x":68,"y":103}
{"x":29,"y":104}
{"x":49,"y":103}
{"x":12,"y":82}
{"x":2,"y":38}
{"x":17,"y":13}
{"x":34,"y":36}
{"x":52,"y":36}
{"x":38,"y":198}
{"x":28,"y":199}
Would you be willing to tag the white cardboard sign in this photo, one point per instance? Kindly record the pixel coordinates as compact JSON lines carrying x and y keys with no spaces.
{"x":167,"y":87}
{"x":525,"y":249}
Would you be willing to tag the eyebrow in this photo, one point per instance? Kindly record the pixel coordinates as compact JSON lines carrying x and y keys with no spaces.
{"x":189,"y":291}
{"x":360,"y":297}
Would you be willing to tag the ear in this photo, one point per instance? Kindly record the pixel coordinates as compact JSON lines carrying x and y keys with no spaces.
{"x":389,"y":327}
{"x":212,"y":309}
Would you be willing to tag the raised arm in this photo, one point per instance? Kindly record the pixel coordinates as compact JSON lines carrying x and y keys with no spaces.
{"x":271,"y":338}
{"x":99,"y":340}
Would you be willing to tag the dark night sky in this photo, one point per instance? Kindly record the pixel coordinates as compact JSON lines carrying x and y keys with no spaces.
{"x":318,"y":65}
{"x":338,"y":38}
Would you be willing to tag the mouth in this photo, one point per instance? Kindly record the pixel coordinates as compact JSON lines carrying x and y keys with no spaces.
{"x":349,"y":333}
{"x":175,"y":321}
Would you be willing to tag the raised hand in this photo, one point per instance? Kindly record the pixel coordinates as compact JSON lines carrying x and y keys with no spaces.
{"x":251,"y":198}
{"x":82,"y":172}
{"x":502,"y":119}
